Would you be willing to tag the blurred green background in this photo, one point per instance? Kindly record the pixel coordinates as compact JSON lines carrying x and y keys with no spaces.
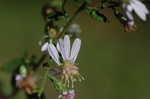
{"x":116,"y":63}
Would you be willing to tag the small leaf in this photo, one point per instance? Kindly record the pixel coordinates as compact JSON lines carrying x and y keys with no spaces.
{"x":110,"y":4}
{"x":95,"y":14}
{"x":23,"y":70}
{"x":57,"y":15}
{"x":56,"y":3}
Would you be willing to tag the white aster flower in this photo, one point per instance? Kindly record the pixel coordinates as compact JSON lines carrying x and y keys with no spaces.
{"x":138,"y":7}
{"x":69,"y":54}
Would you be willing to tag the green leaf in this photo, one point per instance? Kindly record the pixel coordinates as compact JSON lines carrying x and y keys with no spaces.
{"x":23,"y":70}
{"x":77,"y":1}
{"x":110,"y":4}
{"x":12,"y":65}
{"x":95,"y":14}
{"x":88,"y":1}
{"x":56,"y":3}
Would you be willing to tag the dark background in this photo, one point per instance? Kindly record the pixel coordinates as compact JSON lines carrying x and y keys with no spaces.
{"x":116,"y":63}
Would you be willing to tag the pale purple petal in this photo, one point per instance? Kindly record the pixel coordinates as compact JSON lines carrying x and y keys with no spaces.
{"x":67,"y":46}
{"x":75,"y":50}
{"x":53,"y":53}
{"x":61,"y":47}
{"x":58,"y":47}
{"x":129,"y":15}
{"x":140,"y":9}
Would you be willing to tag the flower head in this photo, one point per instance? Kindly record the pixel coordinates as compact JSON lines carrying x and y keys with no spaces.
{"x":134,"y":6}
{"x":69,"y":72}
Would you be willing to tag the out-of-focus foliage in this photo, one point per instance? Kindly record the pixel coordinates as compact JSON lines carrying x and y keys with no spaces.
{"x":12,"y":65}
{"x":95,"y":14}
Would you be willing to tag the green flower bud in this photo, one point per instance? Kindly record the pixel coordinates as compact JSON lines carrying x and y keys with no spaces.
{"x":23,"y":70}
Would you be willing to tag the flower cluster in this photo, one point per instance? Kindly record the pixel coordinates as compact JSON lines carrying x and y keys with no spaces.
{"x":136,"y":6}
{"x":59,"y":32}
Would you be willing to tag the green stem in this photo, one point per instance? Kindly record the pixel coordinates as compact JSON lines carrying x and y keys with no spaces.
{"x":57,"y":84}
{"x":83,"y":5}
{"x":43,"y":82}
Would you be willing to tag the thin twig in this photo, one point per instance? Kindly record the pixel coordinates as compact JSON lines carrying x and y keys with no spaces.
{"x":83,"y":5}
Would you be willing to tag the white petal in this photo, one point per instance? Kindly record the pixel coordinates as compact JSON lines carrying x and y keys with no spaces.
{"x":67,"y":46}
{"x":131,"y":23}
{"x":75,"y":50}
{"x":58,"y":47}
{"x":53,"y":53}
{"x":143,"y":7}
{"x":61,"y":49}
{"x":129,"y":8}
{"x":140,"y":9}
{"x":44,"y":47}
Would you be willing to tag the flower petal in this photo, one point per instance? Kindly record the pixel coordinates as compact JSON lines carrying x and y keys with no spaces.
{"x":67,"y":46}
{"x":129,"y":15}
{"x":61,"y":48}
{"x":53,"y":53}
{"x":140,"y":9}
{"x":58,"y":47}
{"x":44,"y":47}
{"x":75,"y":50}
{"x":129,"y":8}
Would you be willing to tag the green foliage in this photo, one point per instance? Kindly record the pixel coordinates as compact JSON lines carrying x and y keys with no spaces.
{"x":56,"y":3}
{"x":58,"y":15}
{"x":58,"y":85}
{"x":23,"y":70}
{"x":88,"y":1}
{"x":5,"y":88}
{"x":95,"y":14}
{"x":12,"y":65}
{"x":110,"y":4}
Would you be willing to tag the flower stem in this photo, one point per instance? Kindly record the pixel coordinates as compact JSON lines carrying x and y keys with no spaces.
{"x":81,"y":8}
{"x":43,"y":82}
{"x":83,"y":5}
